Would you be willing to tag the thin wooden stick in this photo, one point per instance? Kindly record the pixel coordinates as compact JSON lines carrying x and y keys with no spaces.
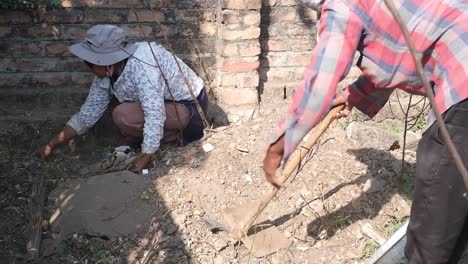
{"x":36,"y":204}
{"x":291,"y":165}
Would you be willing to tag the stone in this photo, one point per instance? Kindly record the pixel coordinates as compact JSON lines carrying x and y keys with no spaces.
{"x":303,"y":248}
{"x":207,"y":147}
{"x":180,"y":220}
{"x":171,"y":229}
{"x":372,"y":185}
{"x":219,"y":260}
{"x":220,"y":244}
{"x":369,"y":231}
{"x":265,"y":242}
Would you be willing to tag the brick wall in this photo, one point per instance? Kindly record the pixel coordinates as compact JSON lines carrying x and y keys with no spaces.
{"x":241,"y":48}
{"x":41,"y":81}
{"x":288,"y":35}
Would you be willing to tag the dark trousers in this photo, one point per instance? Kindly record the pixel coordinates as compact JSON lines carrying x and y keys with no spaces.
{"x":195,"y":127}
{"x":438,"y":227}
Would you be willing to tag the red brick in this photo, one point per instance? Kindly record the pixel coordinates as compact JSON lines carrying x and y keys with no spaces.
{"x":291,"y":30}
{"x":240,"y":80}
{"x":207,"y":29}
{"x":76,"y":32}
{"x":252,"y":19}
{"x":230,"y":50}
{"x":230,"y":80}
{"x":242,"y":49}
{"x":249,"y":33}
{"x":240,"y":66}
{"x":269,"y":2}
{"x":286,"y":59}
{"x":22,"y":49}
{"x":15,"y":17}
{"x":145,"y":16}
{"x":137,"y":31}
{"x":4,"y":31}
{"x":277,"y":88}
{"x":49,"y":64}
{"x":58,"y":48}
{"x":287,"y":2}
{"x":231,"y":17}
{"x":293,"y":44}
{"x":44,"y":31}
{"x":7,"y":65}
{"x":237,"y":96}
{"x":283,"y":15}
{"x":82,"y":78}
{"x":51,"y":79}
{"x":242,"y":4}
{"x":104,"y":16}
{"x":13,"y":79}
{"x":102,"y":3}
{"x":247,"y":49}
{"x":196,"y":15}
{"x":310,"y":14}
{"x":63,"y":16}
{"x":282,"y":74}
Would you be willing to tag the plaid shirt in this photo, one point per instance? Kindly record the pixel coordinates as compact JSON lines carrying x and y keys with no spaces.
{"x":439,"y":29}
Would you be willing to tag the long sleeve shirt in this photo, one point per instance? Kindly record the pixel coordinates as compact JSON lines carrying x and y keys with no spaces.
{"x":438,"y":30}
{"x":140,"y":81}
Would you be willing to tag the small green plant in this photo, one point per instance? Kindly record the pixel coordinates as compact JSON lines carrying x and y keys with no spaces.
{"x":395,"y":129}
{"x":343,"y":124}
{"x":92,"y":249}
{"x":369,"y":250}
{"x":392,"y":226}
{"x":107,"y":151}
{"x":341,"y":223}
{"x":419,"y":126}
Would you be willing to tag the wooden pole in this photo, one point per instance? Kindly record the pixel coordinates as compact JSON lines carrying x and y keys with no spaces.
{"x":291,"y":165}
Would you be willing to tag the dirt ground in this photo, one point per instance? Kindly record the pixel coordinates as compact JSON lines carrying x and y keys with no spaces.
{"x":343,"y":186}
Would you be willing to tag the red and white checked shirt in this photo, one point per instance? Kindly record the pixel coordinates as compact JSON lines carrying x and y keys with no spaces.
{"x":438,"y":29}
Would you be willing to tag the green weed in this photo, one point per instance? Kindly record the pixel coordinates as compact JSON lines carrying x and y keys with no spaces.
{"x":342,"y":223}
{"x":392,"y":226}
{"x":369,"y":250}
{"x":343,"y":124}
{"x":395,"y":129}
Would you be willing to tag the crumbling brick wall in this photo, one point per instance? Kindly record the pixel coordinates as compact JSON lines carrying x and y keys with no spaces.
{"x":241,"y":48}
{"x":41,"y":80}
